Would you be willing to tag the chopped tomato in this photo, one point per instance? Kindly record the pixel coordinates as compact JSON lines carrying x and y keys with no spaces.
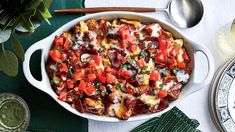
{"x":59,"y":41}
{"x":181,"y":65}
{"x":70,"y":84}
{"x":132,"y":47}
{"x":140,"y":62}
{"x":63,"y":68}
{"x":91,"y":77}
{"x":92,"y":64}
{"x":102,"y":78}
{"x":185,"y":56}
{"x":89,"y":90}
{"x":98,"y":72}
{"x":124,"y":32}
{"x":161,"y":58}
{"x":87,"y":71}
{"x":63,"y":96}
{"x":124,"y":44}
{"x":110,"y":78}
{"x":155,"y":76}
{"x":82,"y":84}
{"x":162,"y":94}
{"x":67,"y":44}
{"x":55,"y":55}
{"x":63,"y":57}
{"x":167,"y":79}
{"x":172,"y":63}
{"x":130,"y":88}
{"x":108,"y":69}
{"x":173,"y":52}
{"x":132,"y":39}
{"x":78,"y":74}
{"x":162,"y":45}
{"x":97,"y":59}
{"x":127,"y":73}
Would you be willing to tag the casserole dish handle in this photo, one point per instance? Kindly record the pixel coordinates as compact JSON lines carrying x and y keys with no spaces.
{"x":195,"y":86}
{"x":26,"y":66}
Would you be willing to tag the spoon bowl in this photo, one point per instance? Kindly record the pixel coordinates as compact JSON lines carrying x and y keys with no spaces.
{"x":185,"y":13}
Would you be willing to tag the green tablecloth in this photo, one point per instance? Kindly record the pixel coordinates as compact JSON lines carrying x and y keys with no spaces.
{"x":45,"y":112}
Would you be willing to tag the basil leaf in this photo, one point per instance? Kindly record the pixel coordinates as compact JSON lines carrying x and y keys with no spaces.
{"x":33,"y":4}
{"x":5,"y":35}
{"x":42,"y":12}
{"x":47,"y":3}
{"x":17,"y":48}
{"x":9,"y":63}
{"x":25,"y":20}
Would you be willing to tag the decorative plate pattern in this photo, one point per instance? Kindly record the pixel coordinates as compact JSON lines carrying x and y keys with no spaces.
{"x":225,"y":98}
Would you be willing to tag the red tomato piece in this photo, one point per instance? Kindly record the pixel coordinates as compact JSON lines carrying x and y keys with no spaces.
{"x":163,"y":44}
{"x":181,"y":65}
{"x":124,"y":32}
{"x":63,"y":68}
{"x":172,"y":63}
{"x":102,"y":78}
{"x":78,"y":74}
{"x":70,"y":84}
{"x":82,"y":84}
{"x":63,"y":96}
{"x":155,"y":76}
{"x":108,"y":69}
{"x":55,"y":55}
{"x":124,"y":44}
{"x":130,"y":88}
{"x":162,"y":94}
{"x":140,"y":62}
{"x":89,"y":90}
{"x":91,"y":77}
{"x":110,"y":78}
{"x":186,"y":57}
{"x":67,"y":44}
{"x":161,"y":58}
{"x":132,"y":47}
{"x":59,"y":41}
{"x":97,"y":59}
{"x":92,"y":64}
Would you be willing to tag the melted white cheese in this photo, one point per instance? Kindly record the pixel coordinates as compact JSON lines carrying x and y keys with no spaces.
{"x":155,"y":28}
{"x":149,"y":100}
{"x":181,"y":76}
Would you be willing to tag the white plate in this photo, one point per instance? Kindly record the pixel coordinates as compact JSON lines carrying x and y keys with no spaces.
{"x":225,"y":98}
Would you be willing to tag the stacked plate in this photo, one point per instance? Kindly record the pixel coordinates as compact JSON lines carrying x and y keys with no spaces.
{"x":222,"y":97}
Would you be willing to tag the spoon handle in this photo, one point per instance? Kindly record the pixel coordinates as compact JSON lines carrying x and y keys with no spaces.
{"x":102,"y":9}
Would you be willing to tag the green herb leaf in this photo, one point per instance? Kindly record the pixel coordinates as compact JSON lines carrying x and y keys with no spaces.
{"x":33,"y":4}
{"x":5,"y":35}
{"x":161,"y":86}
{"x":25,"y":20}
{"x":119,"y":85}
{"x":141,"y":79}
{"x":144,"y":67}
{"x":17,"y":48}
{"x":9,"y":63}
{"x":42,"y":12}
{"x":147,"y":72}
{"x":47,"y":3}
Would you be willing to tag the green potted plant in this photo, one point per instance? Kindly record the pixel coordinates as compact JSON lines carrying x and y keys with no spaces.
{"x":18,"y":17}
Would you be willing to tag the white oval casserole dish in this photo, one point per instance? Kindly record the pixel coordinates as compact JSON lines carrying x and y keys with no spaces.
{"x":45,"y":45}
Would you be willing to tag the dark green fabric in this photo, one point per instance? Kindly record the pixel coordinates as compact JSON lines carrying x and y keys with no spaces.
{"x":45,"y":112}
{"x":172,"y":121}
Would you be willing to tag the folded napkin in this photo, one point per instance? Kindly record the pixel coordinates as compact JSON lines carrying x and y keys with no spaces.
{"x":172,"y":121}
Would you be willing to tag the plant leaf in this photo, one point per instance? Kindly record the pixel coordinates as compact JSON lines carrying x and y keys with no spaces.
{"x":42,"y":12}
{"x":19,"y":28}
{"x":9,"y":63}
{"x":25,"y":20}
{"x":33,"y":4}
{"x":5,"y":35}
{"x":17,"y":48}
{"x":47,"y":3}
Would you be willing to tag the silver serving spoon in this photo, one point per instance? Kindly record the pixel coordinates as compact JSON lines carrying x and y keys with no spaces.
{"x":182,"y":13}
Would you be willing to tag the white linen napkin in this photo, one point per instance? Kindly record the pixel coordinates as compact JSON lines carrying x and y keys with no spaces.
{"x":216,"y":15}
